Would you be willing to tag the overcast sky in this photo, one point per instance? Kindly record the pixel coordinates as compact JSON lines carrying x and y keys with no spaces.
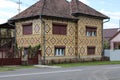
{"x":111,"y":8}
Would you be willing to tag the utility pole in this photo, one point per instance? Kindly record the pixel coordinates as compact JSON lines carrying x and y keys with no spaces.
{"x":119,"y":23}
{"x":19,"y":6}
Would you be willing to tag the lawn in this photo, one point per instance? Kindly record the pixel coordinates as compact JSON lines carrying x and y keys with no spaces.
{"x":87,"y":63}
{"x":12,"y":68}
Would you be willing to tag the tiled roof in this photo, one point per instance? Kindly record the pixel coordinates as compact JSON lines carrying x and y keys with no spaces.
{"x":58,"y":8}
{"x":6,"y":25}
{"x":109,"y":33}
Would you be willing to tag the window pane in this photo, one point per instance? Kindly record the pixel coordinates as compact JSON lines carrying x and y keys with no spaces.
{"x":60,"y":51}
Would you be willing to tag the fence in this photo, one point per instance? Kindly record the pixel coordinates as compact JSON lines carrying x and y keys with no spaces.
{"x":8,"y":58}
{"x":114,"y":55}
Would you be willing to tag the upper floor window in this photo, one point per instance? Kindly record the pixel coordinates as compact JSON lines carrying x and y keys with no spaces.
{"x":60,"y":29}
{"x":91,"y":31}
{"x":27,"y":29}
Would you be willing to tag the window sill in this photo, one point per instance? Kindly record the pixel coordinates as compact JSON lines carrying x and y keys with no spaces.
{"x":59,"y":55}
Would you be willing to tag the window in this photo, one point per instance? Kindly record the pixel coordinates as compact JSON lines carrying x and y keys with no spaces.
{"x":91,"y":31}
{"x":59,"y":51}
{"x":25,"y":51}
{"x":27,"y":29}
{"x":60,"y":29}
{"x":90,"y":50}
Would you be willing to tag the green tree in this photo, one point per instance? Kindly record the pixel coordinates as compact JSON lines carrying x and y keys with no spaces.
{"x":106,"y":44}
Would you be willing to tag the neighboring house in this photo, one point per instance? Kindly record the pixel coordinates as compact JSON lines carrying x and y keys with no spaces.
{"x":113,"y":37}
{"x":65,"y":30}
{"x":6,"y":36}
{"x":115,"y":41}
{"x":7,"y":45}
{"x":109,"y":33}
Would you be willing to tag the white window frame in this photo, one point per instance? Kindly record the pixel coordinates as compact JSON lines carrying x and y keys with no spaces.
{"x":59,"y":51}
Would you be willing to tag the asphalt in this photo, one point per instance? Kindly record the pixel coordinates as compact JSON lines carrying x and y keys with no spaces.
{"x":104,"y":72}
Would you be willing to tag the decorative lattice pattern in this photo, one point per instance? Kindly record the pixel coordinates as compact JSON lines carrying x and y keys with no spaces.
{"x":37,"y":28}
{"x":48,"y":51}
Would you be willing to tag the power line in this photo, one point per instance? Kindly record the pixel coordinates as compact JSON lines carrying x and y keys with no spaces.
{"x":21,"y":2}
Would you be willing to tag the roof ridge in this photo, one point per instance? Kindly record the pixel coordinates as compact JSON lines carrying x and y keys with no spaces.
{"x":58,"y":8}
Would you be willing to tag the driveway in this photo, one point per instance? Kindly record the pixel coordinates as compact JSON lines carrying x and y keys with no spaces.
{"x":105,"y":72}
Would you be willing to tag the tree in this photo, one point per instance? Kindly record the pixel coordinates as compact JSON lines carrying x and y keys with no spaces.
{"x":106,"y":44}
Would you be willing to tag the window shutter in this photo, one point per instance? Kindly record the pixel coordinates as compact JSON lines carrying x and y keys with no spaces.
{"x":27,"y":29}
{"x":91,"y":50}
{"x":59,"y":29}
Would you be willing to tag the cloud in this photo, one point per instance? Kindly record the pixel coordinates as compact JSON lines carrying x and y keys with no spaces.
{"x":85,"y":1}
{"x":111,"y":14}
{"x":7,"y":4}
{"x":8,"y":9}
{"x":114,"y":18}
{"x":110,"y":25}
{"x":3,"y":21}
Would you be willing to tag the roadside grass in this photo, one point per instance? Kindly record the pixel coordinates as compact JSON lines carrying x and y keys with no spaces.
{"x":12,"y":68}
{"x":87,"y":63}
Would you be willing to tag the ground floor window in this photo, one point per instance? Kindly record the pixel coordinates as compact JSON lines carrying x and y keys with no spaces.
{"x":25,"y":51}
{"x":90,"y":50}
{"x":59,"y":51}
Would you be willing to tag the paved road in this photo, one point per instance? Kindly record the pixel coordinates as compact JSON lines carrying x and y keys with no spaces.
{"x":106,"y":72}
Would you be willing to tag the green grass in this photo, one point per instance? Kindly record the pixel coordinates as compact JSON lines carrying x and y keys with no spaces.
{"x":12,"y":68}
{"x":87,"y":63}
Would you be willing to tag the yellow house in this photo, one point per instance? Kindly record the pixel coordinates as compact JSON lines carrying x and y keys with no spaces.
{"x":65,"y":30}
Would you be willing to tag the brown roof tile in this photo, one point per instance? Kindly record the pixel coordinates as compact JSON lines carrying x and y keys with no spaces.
{"x":109,"y":33}
{"x":58,"y":8}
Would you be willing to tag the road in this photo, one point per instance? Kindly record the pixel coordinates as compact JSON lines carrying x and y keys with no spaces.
{"x":105,"y":72}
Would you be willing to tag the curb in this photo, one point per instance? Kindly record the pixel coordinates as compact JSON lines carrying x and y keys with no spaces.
{"x":46,"y":66}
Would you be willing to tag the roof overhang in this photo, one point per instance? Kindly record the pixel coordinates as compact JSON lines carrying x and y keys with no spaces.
{"x":7,"y":26}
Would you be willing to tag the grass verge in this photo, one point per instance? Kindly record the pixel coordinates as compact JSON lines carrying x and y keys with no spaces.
{"x":87,"y":63}
{"x":12,"y":68}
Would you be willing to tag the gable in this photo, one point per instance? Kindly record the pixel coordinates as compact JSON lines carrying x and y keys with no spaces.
{"x":116,"y":37}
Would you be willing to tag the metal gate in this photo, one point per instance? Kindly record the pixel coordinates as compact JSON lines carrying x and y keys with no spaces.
{"x":7,"y":57}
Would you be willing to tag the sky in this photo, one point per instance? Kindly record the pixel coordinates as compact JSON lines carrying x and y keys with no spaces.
{"x":111,"y":8}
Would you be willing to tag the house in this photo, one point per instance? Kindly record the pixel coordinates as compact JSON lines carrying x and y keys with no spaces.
{"x":7,"y":39}
{"x":65,"y":30}
{"x":109,"y":33}
{"x":112,"y":36}
{"x":115,"y":41}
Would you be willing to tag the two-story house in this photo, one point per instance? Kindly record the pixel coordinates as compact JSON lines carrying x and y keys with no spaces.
{"x":65,"y":30}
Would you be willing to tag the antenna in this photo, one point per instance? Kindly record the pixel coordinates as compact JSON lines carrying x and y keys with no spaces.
{"x":119,"y":23}
{"x":19,"y":6}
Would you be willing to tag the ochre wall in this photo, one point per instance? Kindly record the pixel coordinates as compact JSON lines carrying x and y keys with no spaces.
{"x":68,"y":40}
{"x":84,"y":41}
{"x":29,"y":40}
{"x":53,"y":40}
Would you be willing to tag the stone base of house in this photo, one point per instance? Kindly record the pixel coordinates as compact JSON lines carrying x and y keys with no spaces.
{"x":54,"y":60}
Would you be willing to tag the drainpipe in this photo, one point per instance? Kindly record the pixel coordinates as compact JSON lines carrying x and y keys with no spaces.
{"x":102,"y":36}
{"x":44,"y":37}
{"x":9,"y":22}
